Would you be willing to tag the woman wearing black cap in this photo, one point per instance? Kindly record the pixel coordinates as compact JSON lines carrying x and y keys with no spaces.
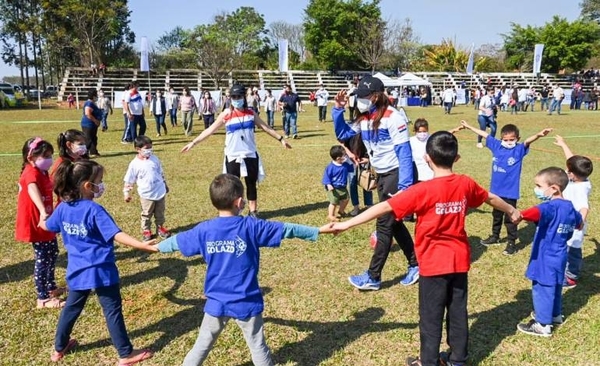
{"x":241,"y":156}
{"x":384,"y":131}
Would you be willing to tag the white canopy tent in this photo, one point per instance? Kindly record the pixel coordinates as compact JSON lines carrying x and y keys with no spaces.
{"x":406,"y":79}
{"x":387,"y":81}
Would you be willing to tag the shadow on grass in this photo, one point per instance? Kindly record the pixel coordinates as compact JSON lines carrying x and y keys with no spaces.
{"x":492,"y":326}
{"x":327,"y":338}
{"x":23,"y":270}
{"x":526,"y":234}
{"x":293,"y":211}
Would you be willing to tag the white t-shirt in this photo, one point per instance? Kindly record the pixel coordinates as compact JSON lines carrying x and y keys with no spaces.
{"x":270,"y":103}
{"x":322,"y":96}
{"x":578,"y":193}
{"x":136,"y":103}
{"x":418,"y":153}
{"x":394,"y":94}
{"x":148,"y":175}
{"x":448,"y":96}
{"x":485,"y":102}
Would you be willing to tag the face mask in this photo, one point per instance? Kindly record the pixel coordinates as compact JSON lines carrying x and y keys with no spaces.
{"x":43,"y":164}
{"x":146,"y":152}
{"x":508,"y":145}
{"x":237,"y":103}
{"x":422,"y":136}
{"x":79,"y":150}
{"x":158,"y":95}
{"x":363,"y":104}
{"x":101,"y":189}
{"x":541,"y":194}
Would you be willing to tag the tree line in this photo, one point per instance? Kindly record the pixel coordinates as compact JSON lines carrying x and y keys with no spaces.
{"x":47,"y":36}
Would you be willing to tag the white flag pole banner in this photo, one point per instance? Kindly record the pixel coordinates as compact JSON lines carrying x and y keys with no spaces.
{"x":118,"y":101}
{"x":567,"y":99}
{"x":470,"y":64}
{"x":144,"y":63}
{"x":460,"y":96}
{"x":216,"y":96}
{"x":537,"y":58}
{"x":283,"y":55}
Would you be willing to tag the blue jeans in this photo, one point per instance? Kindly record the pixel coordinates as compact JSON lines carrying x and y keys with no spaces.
{"x":173,"y":114}
{"x":160,"y":121}
{"x":547,"y":302}
{"x":110,"y":300}
{"x":574,"y":262}
{"x":289,"y":123}
{"x":484,"y":122}
{"x":126,"y":132}
{"x":447,"y":107}
{"x":367,"y":195}
{"x":103,"y":121}
{"x":271,"y":118}
{"x":544,"y":103}
{"x":556,"y":105}
{"x":138,"y":120}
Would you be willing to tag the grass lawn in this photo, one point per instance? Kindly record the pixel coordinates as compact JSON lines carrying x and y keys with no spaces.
{"x":313,"y":315}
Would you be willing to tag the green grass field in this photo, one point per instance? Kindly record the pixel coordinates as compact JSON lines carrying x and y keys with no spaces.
{"x":313,"y":315}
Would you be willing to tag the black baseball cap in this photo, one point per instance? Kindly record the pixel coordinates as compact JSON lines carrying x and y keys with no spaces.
{"x":368,"y":85}
{"x":238,"y":90}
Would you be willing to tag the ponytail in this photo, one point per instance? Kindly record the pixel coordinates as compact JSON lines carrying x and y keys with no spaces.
{"x":71,"y":136}
{"x":70,"y":176}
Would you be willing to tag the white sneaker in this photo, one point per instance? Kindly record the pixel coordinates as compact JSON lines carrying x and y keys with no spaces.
{"x":479,"y":145}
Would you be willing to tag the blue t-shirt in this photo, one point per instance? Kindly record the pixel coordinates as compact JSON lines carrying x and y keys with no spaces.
{"x":230,"y":246}
{"x":506,"y":168}
{"x":558,"y":220}
{"x":96,"y":112}
{"x":337,"y":175}
{"x":88,"y":232}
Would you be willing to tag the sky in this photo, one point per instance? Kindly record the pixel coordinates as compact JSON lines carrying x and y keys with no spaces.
{"x":466,"y":21}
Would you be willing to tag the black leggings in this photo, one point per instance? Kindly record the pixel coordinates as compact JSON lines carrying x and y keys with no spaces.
{"x":252,"y":167}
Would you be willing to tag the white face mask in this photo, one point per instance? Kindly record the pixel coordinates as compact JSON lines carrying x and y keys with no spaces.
{"x":79,"y":150}
{"x":363,"y":104}
{"x":146,"y":152}
{"x":101,"y":189}
{"x":508,"y":145}
{"x":237,"y":103}
{"x":422,"y":136}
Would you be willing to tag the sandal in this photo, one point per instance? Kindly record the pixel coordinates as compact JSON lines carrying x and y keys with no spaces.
{"x":135,"y":357}
{"x":59,"y":291}
{"x":51,"y":303}
{"x":58,"y":355}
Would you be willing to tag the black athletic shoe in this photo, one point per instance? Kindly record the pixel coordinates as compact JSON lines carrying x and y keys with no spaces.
{"x":493,"y":239}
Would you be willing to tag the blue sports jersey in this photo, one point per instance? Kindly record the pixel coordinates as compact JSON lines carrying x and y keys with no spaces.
{"x":230,"y":246}
{"x":88,"y":232}
{"x":337,"y":174}
{"x":558,"y":220}
{"x":506,"y":168}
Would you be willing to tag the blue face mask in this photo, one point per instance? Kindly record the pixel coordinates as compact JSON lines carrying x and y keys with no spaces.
{"x":541,"y":194}
{"x":237,"y":103}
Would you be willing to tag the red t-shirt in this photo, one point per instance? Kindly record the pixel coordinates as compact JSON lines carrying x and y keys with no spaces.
{"x":441,"y":205}
{"x":28,"y":216}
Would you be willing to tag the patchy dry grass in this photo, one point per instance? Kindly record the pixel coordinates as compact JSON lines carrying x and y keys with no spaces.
{"x":313,"y":316}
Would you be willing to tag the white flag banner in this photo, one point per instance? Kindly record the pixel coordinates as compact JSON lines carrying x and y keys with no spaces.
{"x":283,"y":55}
{"x":461,"y":97}
{"x":471,"y":63}
{"x":144,"y":63}
{"x":537,"y":58}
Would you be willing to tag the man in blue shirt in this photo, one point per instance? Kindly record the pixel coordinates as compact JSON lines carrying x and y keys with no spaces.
{"x":290,"y":104}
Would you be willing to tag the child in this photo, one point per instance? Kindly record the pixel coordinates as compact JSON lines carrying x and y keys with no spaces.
{"x":230,"y":245}
{"x":507,"y":161}
{"x":146,"y":171}
{"x":579,"y":168}
{"x":71,"y":146}
{"x":556,"y":219}
{"x":441,"y":245}
{"x":85,"y":224}
{"x":335,"y":180}
{"x":35,"y":204}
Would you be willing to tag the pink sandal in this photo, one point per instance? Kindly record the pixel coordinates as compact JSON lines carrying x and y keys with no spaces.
{"x":50,"y":303}
{"x":59,"y":291}
{"x":59,"y":355}
{"x":135,"y":357}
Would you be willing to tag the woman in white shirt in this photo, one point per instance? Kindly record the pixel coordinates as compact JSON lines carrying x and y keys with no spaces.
{"x":486,"y":115}
{"x":270,"y":108}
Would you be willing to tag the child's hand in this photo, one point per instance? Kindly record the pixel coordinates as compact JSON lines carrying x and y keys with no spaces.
{"x":464,"y":124}
{"x":151,"y":246}
{"x":327,"y":229}
{"x":544,"y":132}
{"x":339,"y":227}
{"x":329,"y":187}
{"x":559,"y":140}
{"x":516,"y":217}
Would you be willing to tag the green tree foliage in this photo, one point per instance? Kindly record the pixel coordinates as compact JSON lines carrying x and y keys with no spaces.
{"x":171,"y":51}
{"x":331,"y":29}
{"x":567,"y":45}
{"x":590,"y":9}
{"x":448,"y":57}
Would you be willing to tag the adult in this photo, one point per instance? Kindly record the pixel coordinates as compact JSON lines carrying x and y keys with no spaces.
{"x":289,"y":102}
{"x":241,"y":155}
{"x":485,"y":116}
{"x":126,"y":138}
{"x":270,"y":108}
{"x":384,"y":132}
{"x":448,"y":99}
{"x":158,"y":109}
{"x":134,"y":105}
{"x":395,"y":95}
{"x":208,"y":108}
{"x":557,"y":97}
{"x":105,"y":104}
{"x":90,"y":122}
{"x":253,"y":100}
{"x":544,"y":98}
{"x":187,"y":105}
{"x":172,"y":105}
{"x":322,"y":96}
{"x":226,"y":101}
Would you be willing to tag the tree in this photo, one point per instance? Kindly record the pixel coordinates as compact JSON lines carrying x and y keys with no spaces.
{"x":590,"y":10}
{"x":404,"y":45}
{"x":445,"y":57}
{"x":567,"y":45}
{"x":331,"y":30}
{"x":222,"y":46}
{"x":171,"y":50}
{"x":373,"y":36}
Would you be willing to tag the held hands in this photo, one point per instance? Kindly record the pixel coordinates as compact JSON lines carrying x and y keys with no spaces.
{"x":333,"y":228}
{"x":515,"y":216}
{"x":464,"y":124}
{"x":341,"y":99}
{"x":150,"y":246}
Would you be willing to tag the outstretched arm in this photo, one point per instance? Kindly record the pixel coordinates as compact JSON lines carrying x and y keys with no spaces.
{"x":560,"y":141}
{"x":146,"y":246}
{"x":372,"y":213}
{"x":499,"y":204}
{"x":206,"y":133}
{"x":534,"y":138}
{"x":476,"y":130}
